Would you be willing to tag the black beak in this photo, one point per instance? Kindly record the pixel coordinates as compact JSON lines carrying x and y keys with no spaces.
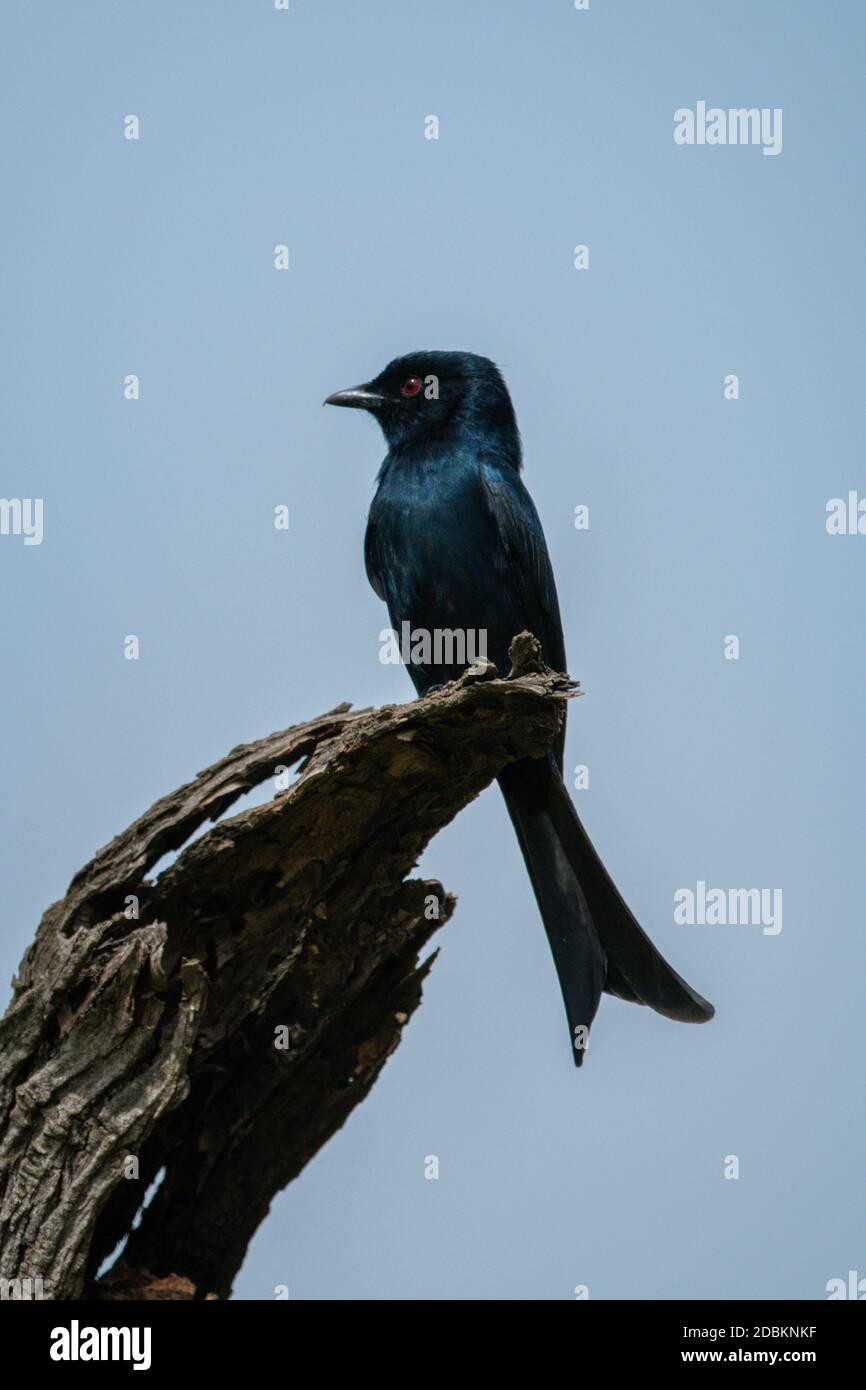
{"x":360,"y":397}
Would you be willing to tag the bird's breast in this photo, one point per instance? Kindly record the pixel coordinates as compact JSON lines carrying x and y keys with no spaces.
{"x":440,"y":560}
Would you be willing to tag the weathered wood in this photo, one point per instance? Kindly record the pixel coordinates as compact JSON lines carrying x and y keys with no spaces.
{"x":146,"y":1015}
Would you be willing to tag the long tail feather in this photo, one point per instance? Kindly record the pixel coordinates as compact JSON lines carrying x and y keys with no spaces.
{"x":596,"y":941}
{"x":577,"y":952}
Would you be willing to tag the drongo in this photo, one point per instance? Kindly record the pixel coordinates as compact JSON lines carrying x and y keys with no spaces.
{"x":454,"y":543}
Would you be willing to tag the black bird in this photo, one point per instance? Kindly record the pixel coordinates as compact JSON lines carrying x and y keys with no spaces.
{"x":454,"y":543}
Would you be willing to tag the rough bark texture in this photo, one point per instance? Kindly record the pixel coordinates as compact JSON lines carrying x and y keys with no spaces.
{"x":157,"y":1037}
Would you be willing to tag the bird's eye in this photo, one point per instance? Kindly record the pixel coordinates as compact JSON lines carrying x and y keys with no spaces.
{"x":411,"y":386}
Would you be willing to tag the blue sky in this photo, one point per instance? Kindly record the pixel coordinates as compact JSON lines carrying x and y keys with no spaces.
{"x":707,"y":518}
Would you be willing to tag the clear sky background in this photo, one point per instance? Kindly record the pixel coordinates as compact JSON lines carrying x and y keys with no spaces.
{"x":707,"y":518}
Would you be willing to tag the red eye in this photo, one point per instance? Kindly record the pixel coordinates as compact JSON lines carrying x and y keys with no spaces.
{"x":412,"y":386}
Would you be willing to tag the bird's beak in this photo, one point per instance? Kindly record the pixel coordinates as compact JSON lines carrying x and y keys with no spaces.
{"x":359,"y":397}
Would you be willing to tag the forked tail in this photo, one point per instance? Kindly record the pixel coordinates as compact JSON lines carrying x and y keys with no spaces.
{"x":596,"y":941}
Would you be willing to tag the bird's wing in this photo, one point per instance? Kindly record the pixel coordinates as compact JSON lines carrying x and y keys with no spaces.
{"x":522,"y":538}
{"x":371,"y":559}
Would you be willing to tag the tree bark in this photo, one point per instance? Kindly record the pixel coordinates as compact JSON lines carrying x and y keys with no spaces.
{"x":218,"y":1025}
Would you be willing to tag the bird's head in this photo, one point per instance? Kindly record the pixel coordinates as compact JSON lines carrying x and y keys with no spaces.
{"x":425,"y":393}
